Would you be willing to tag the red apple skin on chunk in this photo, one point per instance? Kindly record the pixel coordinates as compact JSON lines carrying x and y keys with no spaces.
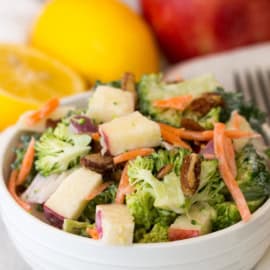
{"x":189,"y":28}
{"x":181,"y":234}
{"x":53,"y":218}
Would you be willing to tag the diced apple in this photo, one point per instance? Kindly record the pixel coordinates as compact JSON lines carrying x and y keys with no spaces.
{"x":108,"y":103}
{"x":129,"y":132}
{"x":198,"y":222}
{"x":114,"y":224}
{"x":68,"y":200}
{"x":53,"y":218}
{"x":43,"y":187}
{"x":41,"y":126}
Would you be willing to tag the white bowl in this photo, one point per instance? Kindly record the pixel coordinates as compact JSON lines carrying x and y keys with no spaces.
{"x":47,"y":248}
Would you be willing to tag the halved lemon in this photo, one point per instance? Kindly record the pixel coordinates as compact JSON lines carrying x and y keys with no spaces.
{"x":28,"y":78}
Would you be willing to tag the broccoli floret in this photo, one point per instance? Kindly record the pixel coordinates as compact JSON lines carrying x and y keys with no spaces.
{"x":152,"y":87}
{"x":174,"y":157}
{"x":141,"y":206}
{"x":105,"y":197}
{"x":227,"y":214}
{"x":59,"y":149}
{"x":167,"y":193}
{"x":76,"y":227}
{"x":212,"y":188}
{"x":234,"y":101}
{"x":159,"y":233}
{"x":211,"y":118}
{"x":253,"y":175}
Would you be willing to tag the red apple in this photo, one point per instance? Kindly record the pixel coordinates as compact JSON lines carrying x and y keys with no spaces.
{"x":181,"y":234}
{"x":188,"y":28}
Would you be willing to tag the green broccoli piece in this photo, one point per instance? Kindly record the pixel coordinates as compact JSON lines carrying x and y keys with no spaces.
{"x":234,"y":101}
{"x":211,"y":118}
{"x":174,"y":157}
{"x":105,"y":197}
{"x":253,"y":175}
{"x":167,"y":193}
{"x":212,"y":188}
{"x":59,"y":149}
{"x":159,"y":233}
{"x":76,"y":227}
{"x":227,"y":215}
{"x":141,"y":206}
{"x":267,"y":152}
{"x":152,"y":87}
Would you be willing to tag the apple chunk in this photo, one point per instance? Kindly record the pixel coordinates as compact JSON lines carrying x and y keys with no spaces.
{"x":114,"y":224}
{"x":198,"y":222}
{"x":108,"y":103}
{"x":129,"y":132}
{"x":68,"y":201}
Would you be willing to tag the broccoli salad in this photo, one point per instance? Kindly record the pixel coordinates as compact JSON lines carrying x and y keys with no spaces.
{"x":145,"y":162}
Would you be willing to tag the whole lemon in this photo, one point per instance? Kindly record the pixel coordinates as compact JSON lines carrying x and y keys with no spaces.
{"x":99,"y":38}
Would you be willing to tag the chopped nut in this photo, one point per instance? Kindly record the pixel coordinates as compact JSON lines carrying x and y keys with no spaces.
{"x":128,"y":83}
{"x":190,"y":174}
{"x":205,"y":103}
{"x":97,"y":162}
{"x":190,"y":124}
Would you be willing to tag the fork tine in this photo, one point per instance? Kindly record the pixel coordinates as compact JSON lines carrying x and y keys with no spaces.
{"x":237,"y":82}
{"x":264,"y":87}
{"x":251,"y":88}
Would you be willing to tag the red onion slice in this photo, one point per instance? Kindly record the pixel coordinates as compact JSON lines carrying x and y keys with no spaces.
{"x":82,"y":124}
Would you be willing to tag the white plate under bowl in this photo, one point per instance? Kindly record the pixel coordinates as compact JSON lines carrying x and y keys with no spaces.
{"x":44,"y":247}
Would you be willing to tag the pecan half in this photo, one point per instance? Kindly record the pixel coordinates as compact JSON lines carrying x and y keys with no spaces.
{"x":205,"y":103}
{"x":164,"y":170}
{"x":128,"y":83}
{"x":190,"y":124}
{"x":190,"y":174}
{"x":97,"y":162}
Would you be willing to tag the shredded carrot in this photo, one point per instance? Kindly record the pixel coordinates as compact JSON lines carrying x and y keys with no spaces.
{"x":124,"y":186}
{"x":230,"y":155}
{"x":227,"y":175}
{"x":95,"y":136}
{"x":12,"y":190}
{"x":98,"y":190}
{"x":27,"y":162}
{"x":179,"y":103}
{"x":236,"y":120}
{"x":133,"y":154}
{"x":43,"y":112}
{"x":173,"y":139}
{"x":93,"y":233}
{"x":206,"y":135}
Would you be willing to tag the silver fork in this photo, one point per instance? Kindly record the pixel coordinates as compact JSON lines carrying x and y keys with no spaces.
{"x":255,"y":87}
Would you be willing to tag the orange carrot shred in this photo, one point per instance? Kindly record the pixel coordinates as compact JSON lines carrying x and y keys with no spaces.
{"x":95,"y":136}
{"x":206,"y":135}
{"x":230,"y":155}
{"x":27,"y":162}
{"x":236,"y":120}
{"x":12,"y":191}
{"x":179,"y":103}
{"x":129,"y":155}
{"x":43,"y":112}
{"x":124,"y":186}
{"x":93,"y":233}
{"x":98,"y":190}
{"x":227,"y":175}
{"x":174,"y":139}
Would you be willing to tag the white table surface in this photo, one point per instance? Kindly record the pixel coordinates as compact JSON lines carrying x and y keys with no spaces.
{"x":15,"y":19}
